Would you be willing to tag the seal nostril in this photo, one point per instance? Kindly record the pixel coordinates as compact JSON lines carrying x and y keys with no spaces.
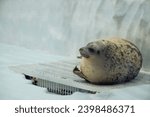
{"x":81,"y":49}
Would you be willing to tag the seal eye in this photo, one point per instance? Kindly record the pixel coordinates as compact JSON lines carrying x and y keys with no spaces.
{"x":98,"y":52}
{"x":91,"y":50}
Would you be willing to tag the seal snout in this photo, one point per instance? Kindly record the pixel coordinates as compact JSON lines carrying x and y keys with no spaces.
{"x":84,"y":52}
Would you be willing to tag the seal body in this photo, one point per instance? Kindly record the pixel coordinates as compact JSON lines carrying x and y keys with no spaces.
{"x":109,"y":61}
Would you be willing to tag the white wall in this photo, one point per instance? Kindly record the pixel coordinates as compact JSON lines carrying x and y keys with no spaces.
{"x":62,"y":26}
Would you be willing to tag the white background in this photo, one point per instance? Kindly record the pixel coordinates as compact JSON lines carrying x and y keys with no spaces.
{"x":7,"y":108}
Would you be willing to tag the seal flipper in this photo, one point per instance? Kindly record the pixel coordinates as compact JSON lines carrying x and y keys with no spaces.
{"x":78,"y":72}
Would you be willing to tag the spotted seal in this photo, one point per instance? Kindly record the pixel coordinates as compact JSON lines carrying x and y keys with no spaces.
{"x":109,"y":61}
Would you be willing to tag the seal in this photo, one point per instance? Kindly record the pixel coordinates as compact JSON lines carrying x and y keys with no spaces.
{"x":109,"y":61}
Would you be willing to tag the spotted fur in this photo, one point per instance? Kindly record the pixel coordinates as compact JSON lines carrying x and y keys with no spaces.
{"x":110,"y":61}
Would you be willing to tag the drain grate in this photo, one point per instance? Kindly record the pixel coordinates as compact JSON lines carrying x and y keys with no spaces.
{"x":57,"y":77}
